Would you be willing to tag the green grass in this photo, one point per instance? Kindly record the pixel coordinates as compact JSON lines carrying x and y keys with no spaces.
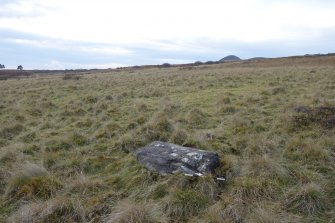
{"x":66,"y":144}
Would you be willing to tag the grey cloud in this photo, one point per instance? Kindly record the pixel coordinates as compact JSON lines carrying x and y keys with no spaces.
{"x":70,"y":54}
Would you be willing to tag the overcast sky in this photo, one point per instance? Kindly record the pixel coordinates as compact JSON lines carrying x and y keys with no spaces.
{"x":67,"y":34}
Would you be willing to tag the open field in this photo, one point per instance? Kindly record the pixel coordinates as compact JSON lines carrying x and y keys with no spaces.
{"x":66,"y":144}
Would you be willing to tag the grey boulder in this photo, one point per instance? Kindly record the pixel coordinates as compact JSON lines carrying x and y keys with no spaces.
{"x":170,"y":158}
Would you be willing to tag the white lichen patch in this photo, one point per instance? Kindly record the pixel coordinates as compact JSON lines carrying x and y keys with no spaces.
{"x":192,"y":154}
{"x":174,"y":154}
{"x":185,"y":160}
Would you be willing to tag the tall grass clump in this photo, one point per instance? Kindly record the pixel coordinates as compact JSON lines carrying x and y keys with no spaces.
{"x":130,"y":211}
{"x":307,"y":199}
{"x":9,"y":132}
{"x":183,"y":204}
{"x":159,"y":127}
{"x":196,"y":118}
{"x":59,"y":209}
{"x":32,"y":181}
{"x":179,"y":136}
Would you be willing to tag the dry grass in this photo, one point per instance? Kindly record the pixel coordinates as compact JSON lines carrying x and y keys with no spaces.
{"x":30,"y":182}
{"x":307,"y":199}
{"x":67,"y":143}
{"x":59,"y":209}
{"x":131,"y":211}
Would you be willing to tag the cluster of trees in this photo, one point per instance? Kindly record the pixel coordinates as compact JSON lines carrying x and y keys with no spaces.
{"x":20,"y":67}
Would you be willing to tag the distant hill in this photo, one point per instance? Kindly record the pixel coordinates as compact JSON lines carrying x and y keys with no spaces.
{"x":230,"y":58}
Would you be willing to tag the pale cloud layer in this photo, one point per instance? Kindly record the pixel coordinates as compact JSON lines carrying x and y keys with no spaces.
{"x":132,"y":32}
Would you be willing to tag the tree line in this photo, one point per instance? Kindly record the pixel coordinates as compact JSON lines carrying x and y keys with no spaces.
{"x":20,"y":67}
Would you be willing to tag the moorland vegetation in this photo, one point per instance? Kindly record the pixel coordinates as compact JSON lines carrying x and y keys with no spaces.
{"x":67,"y":143}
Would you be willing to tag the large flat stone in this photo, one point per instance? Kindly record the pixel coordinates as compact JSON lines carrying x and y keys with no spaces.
{"x":170,"y":158}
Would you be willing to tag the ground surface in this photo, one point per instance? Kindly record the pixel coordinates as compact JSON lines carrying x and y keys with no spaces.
{"x":66,"y":144}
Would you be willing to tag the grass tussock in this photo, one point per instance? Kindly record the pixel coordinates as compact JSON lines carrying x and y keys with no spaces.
{"x":247,"y":189}
{"x":71,"y":77}
{"x":56,"y":145}
{"x":196,"y":117}
{"x":322,"y":115}
{"x":267,"y":168}
{"x":230,"y":212}
{"x":10,"y":132}
{"x":179,"y":136}
{"x":183,"y":204}
{"x":32,"y":181}
{"x":129,"y":211}
{"x":308,"y":199}
{"x":129,"y":142}
{"x":307,"y":150}
{"x":9,"y":155}
{"x":59,"y":209}
{"x":159,"y":127}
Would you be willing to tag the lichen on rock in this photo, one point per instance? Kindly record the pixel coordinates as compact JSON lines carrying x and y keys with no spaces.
{"x":167,"y":158}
